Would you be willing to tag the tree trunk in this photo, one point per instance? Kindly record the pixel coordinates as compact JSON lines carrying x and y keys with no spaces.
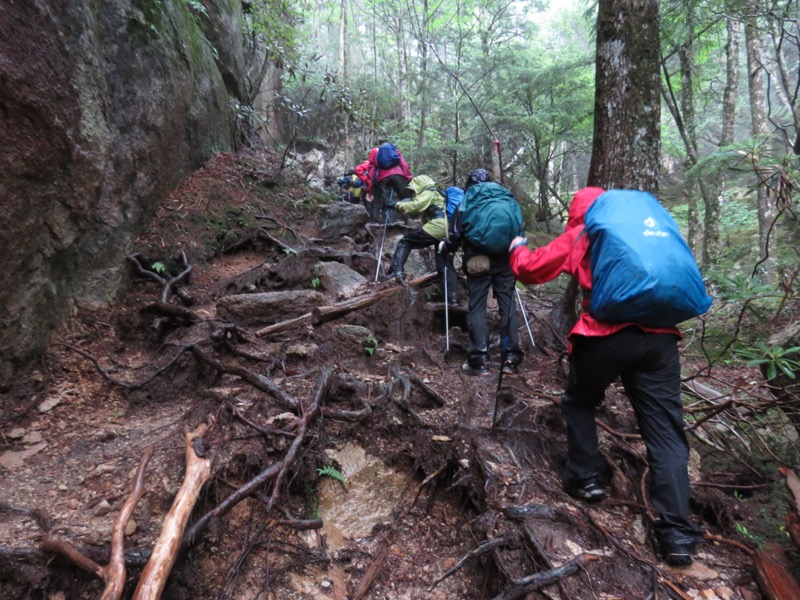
{"x":760,"y":124}
{"x":714,"y":202}
{"x":625,"y":148}
{"x":343,"y":77}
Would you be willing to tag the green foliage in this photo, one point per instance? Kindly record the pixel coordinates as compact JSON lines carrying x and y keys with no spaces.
{"x":159,"y":267}
{"x":332,"y":472}
{"x":315,"y":283}
{"x":772,"y":359}
{"x":370,"y":345}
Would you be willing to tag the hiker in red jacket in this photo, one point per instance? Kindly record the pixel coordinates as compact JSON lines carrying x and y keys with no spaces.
{"x":648,"y":362}
{"x":385,"y":185}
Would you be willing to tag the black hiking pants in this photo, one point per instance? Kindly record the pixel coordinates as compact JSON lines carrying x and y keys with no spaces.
{"x":416,"y":240}
{"x":501,"y":280}
{"x":649,"y":367}
{"x":392,"y":187}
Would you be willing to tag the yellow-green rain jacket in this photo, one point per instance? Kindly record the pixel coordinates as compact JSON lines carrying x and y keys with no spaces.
{"x":427,"y":203}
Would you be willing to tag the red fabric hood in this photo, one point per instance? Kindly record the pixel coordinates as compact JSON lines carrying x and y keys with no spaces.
{"x":581,"y":202}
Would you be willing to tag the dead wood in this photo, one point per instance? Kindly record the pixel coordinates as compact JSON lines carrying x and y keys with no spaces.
{"x":114,"y":573}
{"x":275,"y":471}
{"x":282,"y":245}
{"x":322,"y":314}
{"x":165,"y":552}
{"x":258,"y":381}
{"x":371,"y":574}
{"x":487,"y":546}
{"x":284,"y":325}
{"x":66,"y":549}
{"x":525,"y":585}
{"x":168,"y":286}
{"x":773,"y":575}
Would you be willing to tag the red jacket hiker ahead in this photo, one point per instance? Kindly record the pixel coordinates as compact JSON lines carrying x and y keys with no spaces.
{"x":370,"y":168}
{"x":569,"y":253}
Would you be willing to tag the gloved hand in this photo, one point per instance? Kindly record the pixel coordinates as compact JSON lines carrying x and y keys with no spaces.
{"x":391,"y":203}
{"x":441,"y":247}
{"x":518,"y":241}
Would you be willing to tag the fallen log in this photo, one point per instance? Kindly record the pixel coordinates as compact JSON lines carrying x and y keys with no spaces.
{"x":327,"y":313}
{"x":198,"y":470}
{"x":284,"y":325}
{"x":773,"y":576}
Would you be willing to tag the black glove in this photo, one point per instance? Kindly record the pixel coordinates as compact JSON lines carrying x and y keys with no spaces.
{"x":390,"y":203}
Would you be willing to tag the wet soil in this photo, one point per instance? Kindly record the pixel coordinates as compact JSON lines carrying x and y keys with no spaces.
{"x":428,"y":483}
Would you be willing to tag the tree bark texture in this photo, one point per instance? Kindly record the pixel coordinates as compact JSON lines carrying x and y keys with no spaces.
{"x":625,"y":149}
{"x":756,"y":78}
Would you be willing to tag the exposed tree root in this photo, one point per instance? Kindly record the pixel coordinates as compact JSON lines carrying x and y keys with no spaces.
{"x":165,"y":552}
{"x":114,"y":573}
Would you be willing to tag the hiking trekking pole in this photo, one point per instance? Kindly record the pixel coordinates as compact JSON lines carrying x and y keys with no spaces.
{"x":524,"y":316}
{"x":499,"y":385}
{"x":446,"y":313}
{"x":383,"y":237}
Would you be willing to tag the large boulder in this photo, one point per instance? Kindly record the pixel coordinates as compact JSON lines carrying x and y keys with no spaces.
{"x":105,"y":107}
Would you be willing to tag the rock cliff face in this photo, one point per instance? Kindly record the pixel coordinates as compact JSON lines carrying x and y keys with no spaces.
{"x":104,"y":107}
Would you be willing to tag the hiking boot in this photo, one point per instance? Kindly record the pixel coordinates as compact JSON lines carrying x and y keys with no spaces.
{"x":590,"y":490}
{"x":476,"y":370}
{"x":676,"y":553}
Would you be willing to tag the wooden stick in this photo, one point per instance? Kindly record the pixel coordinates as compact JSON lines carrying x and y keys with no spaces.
{"x":326,"y":313}
{"x":114,"y":572}
{"x":155,"y":574}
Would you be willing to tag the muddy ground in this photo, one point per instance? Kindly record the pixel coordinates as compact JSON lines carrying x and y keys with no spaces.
{"x":400,"y":487}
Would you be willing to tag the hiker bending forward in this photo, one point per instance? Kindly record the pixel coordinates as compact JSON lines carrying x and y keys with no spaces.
{"x":485,"y":270}
{"x":429,"y":203}
{"x":648,"y":363}
{"x":385,"y":185}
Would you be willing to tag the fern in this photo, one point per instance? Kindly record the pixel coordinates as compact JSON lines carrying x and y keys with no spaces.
{"x":331,"y":472}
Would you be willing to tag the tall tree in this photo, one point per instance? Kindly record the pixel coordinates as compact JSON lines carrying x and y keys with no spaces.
{"x":756,"y":77}
{"x":625,"y":148}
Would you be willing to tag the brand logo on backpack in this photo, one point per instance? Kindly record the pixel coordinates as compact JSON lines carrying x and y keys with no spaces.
{"x":652,"y":228}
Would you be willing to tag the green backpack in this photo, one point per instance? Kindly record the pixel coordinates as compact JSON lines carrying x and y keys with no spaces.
{"x":490,"y":217}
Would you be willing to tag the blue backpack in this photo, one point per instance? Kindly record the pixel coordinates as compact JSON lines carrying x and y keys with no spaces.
{"x":453,"y":197}
{"x":388,"y":156}
{"x":490,"y":217}
{"x":642,"y":269}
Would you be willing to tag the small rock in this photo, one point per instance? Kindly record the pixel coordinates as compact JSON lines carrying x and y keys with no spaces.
{"x":34,"y":437}
{"x":14,"y":460}
{"x":102,"y":508}
{"x":441,"y":438}
{"x":63,"y":487}
{"x":304,"y":350}
{"x":16,"y":433}
{"x":73,"y":503}
{"x":49,"y":404}
{"x":130,"y":527}
{"x":326,"y":585}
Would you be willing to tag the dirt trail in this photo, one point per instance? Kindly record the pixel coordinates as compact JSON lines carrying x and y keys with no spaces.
{"x":119,"y":379}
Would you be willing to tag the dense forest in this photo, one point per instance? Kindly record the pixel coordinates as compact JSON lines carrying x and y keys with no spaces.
{"x":212,"y":310}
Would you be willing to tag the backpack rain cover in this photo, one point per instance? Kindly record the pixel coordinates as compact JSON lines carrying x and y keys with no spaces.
{"x":454,"y":195}
{"x":388,"y":156}
{"x":490,"y":217}
{"x":642,"y":269}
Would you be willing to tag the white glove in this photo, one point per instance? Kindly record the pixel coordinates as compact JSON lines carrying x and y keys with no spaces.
{"x":440,"y":249}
